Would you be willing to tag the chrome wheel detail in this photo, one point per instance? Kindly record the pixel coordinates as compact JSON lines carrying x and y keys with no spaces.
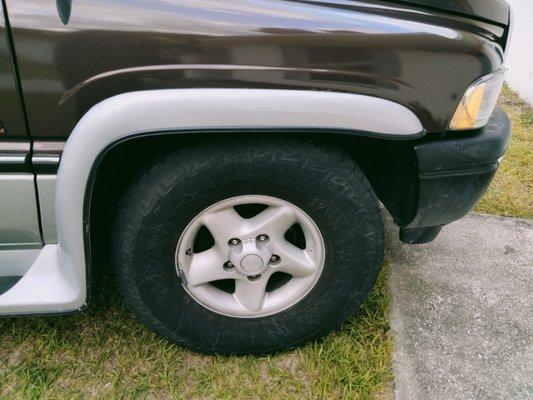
{"x":236,"y":273}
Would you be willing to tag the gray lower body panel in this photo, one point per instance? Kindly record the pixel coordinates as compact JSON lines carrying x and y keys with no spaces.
{"x":46,"y":187}
{"x":19,"y":222}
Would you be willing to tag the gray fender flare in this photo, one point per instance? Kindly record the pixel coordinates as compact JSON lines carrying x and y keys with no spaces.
{"x":189,"y":109}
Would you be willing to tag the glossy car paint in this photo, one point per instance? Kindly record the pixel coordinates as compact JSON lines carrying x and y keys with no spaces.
{"x":70,"y":60}
{"x":12,"y":124}
{"x":14,"y":154}
{"x":496,"y":11}
{"x":19,"y":224}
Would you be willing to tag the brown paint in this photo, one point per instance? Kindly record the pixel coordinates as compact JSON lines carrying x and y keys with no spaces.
{"x":418,"y":57}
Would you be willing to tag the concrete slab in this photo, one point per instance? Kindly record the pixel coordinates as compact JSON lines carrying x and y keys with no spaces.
{"x":462,"y":311}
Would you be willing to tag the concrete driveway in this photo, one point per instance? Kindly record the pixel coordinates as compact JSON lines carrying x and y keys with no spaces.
{"x":462,"y":311}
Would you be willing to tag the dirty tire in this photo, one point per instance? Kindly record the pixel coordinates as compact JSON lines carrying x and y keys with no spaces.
{"x":322,"y":181}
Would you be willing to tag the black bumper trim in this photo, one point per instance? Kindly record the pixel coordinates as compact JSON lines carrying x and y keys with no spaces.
{"x":419,"y":235}
{"x":465,"y":151}
{"x":475,"y":171}
{"x":455,"y":170}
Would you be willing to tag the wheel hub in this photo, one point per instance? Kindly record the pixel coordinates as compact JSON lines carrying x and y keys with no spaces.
{"x":250,"y":257}
{"x":250,"y":251}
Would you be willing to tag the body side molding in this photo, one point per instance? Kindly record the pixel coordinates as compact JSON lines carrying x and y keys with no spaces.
{"x":174,"y":110}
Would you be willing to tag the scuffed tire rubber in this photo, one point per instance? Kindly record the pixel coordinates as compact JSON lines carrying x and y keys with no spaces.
{"x":167,"y":195}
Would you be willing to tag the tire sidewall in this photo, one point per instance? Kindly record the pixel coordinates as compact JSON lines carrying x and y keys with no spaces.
{"x":342,"y":207}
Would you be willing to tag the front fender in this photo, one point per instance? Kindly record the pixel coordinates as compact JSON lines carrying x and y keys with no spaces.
{"x":64,"y":266}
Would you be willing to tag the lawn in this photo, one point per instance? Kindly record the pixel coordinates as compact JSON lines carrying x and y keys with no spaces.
{"x":511,"y":192}
{"x":104,"y":352}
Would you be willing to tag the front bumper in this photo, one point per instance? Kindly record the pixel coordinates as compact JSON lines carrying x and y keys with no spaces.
{"x":454,"y":171}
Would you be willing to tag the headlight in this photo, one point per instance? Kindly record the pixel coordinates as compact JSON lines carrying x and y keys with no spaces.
{"x":478,"y":102}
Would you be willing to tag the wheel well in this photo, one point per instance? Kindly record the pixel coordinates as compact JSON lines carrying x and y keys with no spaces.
{"x":390,"y":166}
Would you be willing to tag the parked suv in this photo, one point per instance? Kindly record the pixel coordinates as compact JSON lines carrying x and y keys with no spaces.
{"x":228,"y":158}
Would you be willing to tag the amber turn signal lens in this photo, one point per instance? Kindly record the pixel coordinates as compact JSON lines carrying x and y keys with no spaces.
{"x":478,"y":103}
{"x":467,"y":112}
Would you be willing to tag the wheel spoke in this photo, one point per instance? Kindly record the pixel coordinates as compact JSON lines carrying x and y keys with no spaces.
{"x":251,"y":294}
{"x":273,"y":221}
{"x":207,"y":266}
{"x":223,"y":225}
{"x":294,"y":261}
{"x":248,"y":251}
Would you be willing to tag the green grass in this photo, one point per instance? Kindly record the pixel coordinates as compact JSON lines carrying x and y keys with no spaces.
{"x":511,"y":192}
{"x":104,"y":352}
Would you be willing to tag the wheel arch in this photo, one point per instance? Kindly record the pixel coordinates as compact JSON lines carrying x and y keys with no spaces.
{"x":188,"y":112}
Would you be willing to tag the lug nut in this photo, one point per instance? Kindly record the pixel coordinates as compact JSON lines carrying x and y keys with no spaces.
{"x":234,"y":242}
{"x":189,"y":252}
{"x":274,"y":258}
{"x":262,"y":238}
{"x":228,"y":265}
{"x":254,"y":278}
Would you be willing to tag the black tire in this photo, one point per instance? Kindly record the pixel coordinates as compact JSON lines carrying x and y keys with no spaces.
{"x":323,"y":182}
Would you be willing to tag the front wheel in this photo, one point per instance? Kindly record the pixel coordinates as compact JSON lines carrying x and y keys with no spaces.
{"x":251,"y":246}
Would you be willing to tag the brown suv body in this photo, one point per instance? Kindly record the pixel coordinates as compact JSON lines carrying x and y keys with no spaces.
{"x":422,"y":58}
{"x":95,"y":93}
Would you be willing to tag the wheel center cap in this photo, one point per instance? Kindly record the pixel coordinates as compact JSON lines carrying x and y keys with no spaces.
{"x":251,"y":264}
{"x":250,"y":257}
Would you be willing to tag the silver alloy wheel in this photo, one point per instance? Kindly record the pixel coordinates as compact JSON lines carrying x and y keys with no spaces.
{"x":249,"y":251}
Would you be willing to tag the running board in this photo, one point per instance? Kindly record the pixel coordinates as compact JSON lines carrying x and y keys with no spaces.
{"x":44,"y":288}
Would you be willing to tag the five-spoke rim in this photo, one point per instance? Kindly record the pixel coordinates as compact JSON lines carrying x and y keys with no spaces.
{"x":249,"y":254}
